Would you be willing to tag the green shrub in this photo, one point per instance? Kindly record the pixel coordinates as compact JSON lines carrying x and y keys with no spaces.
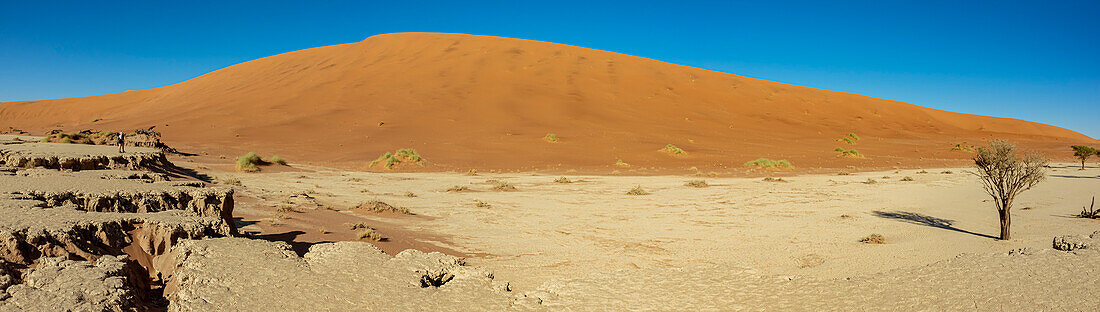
{"x":399,"y":156}
{"x":768,"y":163}
{"x":276,"y":160}
{"x":551,"y":137}
{"x":960,"y":147}
{"x":673,"y":149}
{"x":851,"y":139}
{"x":848,"y":153}
{"x":249,"y":162}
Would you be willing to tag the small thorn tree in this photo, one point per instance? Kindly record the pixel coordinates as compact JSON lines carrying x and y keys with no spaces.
{"x":1083,"y":153}
{"x":1004,"y":175}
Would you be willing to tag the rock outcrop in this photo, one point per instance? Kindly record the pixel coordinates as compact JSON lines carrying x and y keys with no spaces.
{"x":58,"y":284}
{"x":80,"y":157}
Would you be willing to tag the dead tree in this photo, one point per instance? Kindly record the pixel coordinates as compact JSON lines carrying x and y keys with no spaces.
{"x":1005,"y":175}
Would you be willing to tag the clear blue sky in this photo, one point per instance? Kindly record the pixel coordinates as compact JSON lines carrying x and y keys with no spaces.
{"x":1021,"y":59}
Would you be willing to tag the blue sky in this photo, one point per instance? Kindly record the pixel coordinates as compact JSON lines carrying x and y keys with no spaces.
{"x":1020,"y":59}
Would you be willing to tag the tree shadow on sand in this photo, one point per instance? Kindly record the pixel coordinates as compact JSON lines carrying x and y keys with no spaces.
{"x":916,"y":218}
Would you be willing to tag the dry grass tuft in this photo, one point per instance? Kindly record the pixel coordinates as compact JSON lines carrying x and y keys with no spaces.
{"x":458,"y":188}
{"x":771,"y":179}
{"x":380,"y":206}
{"x":637,"y":190}
{"x":870,"y":181}
{"x":370,"y":234}
{"x":563,"y":180}
{"x":697,"y":183}
{"x":907,"y":179}
{"x":876,"y":239}
{"x":502,"y":186}
{"x":481,"y":204}
{"x":843,"y":173}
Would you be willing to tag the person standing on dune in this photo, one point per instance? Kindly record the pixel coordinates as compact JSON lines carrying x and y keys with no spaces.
{"x":121,"y":142}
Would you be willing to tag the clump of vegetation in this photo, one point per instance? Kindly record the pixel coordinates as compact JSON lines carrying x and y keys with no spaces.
{"x":1090,"y":212}
{"x":947,"y":172}
{"x":697,"y":183}
{"x":771,"y":179}
{"x":672,"y":149}
{"x":404,"y":155}
{"x":851,"y":139}
{"x":249,"y":162}
{"x":960,"y":147}
{"x":380,"y":206}
{"x":922,"y":171}
{"x":870,"y":181}
{"x":481,"y":204}
{"x":843,"y":173}
{"x":472,"y":172}
{"x":275,"y":159}
{"x":552,"y":138}
{"x":1083,"y":153}
{"x":285,"y":209}
{"x":360,"y":225}
{"x":907,"y":179}
{"x":370,"y":234}
{"x":503,"y":186}
{"x":410,"y":194}
{"x":563,"y":180}
{"x":1005,"y":175}
{"x":620,"y":163}
{"x":458,"y":188}
{"x":873,"y":239}
{"x":848,"y":152}
{"x":637,"y":190}
{"x":322,"y":230}
{"x":768,"y":163}
{"x":230,"y":181}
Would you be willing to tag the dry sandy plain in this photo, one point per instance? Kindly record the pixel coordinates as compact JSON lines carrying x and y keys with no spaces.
{"x":588,"y":245}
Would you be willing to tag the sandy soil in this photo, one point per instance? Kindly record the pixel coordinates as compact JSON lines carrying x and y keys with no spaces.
{"x":486,"y":103}
{"x":808,"y":226}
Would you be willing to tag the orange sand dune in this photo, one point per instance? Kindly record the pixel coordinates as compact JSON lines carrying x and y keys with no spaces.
{"x":466,"y":101}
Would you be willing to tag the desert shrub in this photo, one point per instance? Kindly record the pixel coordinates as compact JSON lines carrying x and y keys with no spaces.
{"x":697,"y":183}
{"x":392,"y":159}
{"x":563,"y":180}
{"x":907,"y":179}
{"x":922,"y":171}
{"x":472,"y":172}
{"x":768,"y":163}
{"x":771,"y":179}
{"x":848,"y":152}
{"x":481,"y":204}
{"x":1083,"y":153}
{"x":870,"y":181}
{"x":960,"y":147}
{"x":620,"y":163}
{"x":873,"y":239}
{"x":410,"y":194}
{"x":502,"y":185}
{"x":458,"y":188}
{"x":359,"y":225}
{"x":275,"y":159}
{"x":285,"y":209}
{"x":672,"y":149}
{"x":380,"y":206}
{"x":843,"y":173}
{"x":249,"y":162}
{"x":1004,"y":175}
{"x":551,"y":137}
{"x":322,"y":230}
{"x":851,"y":139}
{"x":230,"y":181}
{"x":637,"y":190}
{"x":947,"y":172}
{"x":370,"y":234}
